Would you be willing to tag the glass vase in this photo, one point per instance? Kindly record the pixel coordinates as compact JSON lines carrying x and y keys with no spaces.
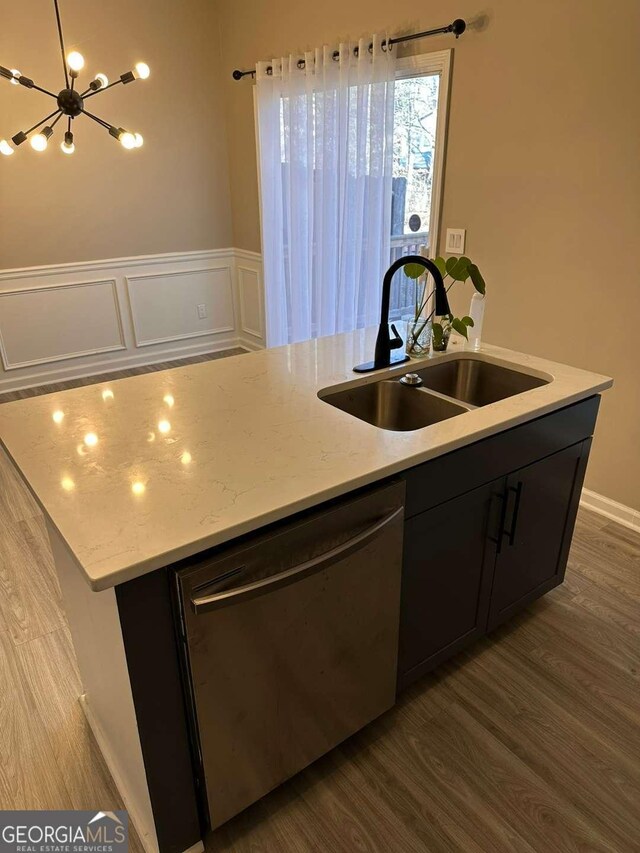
{"x":442,"y":342}
{"x":418,"y":337}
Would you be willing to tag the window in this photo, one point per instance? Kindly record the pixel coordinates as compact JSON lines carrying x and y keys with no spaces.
{"x":420,"y":105}
{"x":350,"y":163}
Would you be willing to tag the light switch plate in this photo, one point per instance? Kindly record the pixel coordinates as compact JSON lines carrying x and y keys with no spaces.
{"x":455,"y":241}
{"x":202,"y":311}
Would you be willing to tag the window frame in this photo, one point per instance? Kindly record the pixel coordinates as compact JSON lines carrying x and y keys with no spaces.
{"x":423,"y":64}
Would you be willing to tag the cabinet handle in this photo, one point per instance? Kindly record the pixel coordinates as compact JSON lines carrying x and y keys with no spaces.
{"x":516,"y":509}
{"x":503,"y":514}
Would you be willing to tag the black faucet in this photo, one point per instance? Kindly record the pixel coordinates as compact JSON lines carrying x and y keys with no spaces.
{"x":384,"y":344}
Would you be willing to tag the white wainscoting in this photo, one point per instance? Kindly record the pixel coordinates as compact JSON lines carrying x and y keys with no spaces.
{"x":181,"y":294}
{"x":63,"y":321}
{"x":250,"y":294}
{"x":69,"y":320}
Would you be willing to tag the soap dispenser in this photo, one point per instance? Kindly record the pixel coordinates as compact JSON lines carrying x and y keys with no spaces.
{"x":476,"y":312}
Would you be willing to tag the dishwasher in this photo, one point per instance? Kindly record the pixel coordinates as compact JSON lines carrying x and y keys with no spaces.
{"x":289,"y":644}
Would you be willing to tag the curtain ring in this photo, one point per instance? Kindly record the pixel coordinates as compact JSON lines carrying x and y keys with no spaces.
{"x":371,"y":47}
{"x":356,"y":51}
{"x":301,"y":64}
{"x":383,"y":45}
{"x":269,"y":70}
{"x":335,"y":55}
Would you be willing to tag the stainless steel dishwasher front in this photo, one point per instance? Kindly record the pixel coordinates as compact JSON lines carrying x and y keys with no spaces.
{"x":291,"y":643}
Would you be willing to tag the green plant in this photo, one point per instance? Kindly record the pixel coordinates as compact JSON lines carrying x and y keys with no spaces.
{"x":442,"y":330}
{"x":457,"y":269}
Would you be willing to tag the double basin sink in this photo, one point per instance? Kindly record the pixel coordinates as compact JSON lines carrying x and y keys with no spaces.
{"x":443,"y":390}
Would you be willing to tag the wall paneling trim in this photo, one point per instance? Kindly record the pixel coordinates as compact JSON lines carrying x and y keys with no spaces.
{"x":164,"y":305}
{"x":251,"y":296}
{"x":69,"y":320}
{"x":57,"y":322}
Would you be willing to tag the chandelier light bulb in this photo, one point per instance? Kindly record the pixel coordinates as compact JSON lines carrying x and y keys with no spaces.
{"x":142,"y":70}
{"x":75,"y":61}
{"x":67,"y":146}
{"x":103,"y":80}
{"x":127,"y":140}
{"x":139,"y":140}
{"x":5,"y":148}
{"x":16,"y":75}
{"x":39,"y":142}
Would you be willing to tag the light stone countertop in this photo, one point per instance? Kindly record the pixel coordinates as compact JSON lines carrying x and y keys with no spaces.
{"x":143,"y":471}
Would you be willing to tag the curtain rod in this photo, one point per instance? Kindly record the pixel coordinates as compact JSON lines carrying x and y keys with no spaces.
{"x":457,"y":28}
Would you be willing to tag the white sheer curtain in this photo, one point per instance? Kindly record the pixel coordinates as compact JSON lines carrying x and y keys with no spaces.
{"x":325,"y":132}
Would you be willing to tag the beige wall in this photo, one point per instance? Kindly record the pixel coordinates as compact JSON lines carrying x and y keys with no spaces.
{"x":103,"y":201}
{"x":542,"y":169}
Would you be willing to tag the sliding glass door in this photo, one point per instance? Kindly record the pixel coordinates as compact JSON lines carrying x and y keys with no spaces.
{"x":420,"y":117}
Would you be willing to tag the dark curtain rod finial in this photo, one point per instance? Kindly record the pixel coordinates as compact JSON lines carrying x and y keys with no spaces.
{"x":238,"y":75}
{"x":457,"y":27}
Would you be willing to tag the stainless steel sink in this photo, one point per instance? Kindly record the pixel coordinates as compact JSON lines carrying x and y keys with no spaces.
{"x":390,"y":405}
{"x":477,"y":382}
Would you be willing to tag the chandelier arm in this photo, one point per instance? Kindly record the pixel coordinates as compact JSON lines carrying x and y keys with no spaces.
{"x":56,"y":120}
{"x":27,"y":132}
{"x":103,"y":89}
{"x":99,"y":120}
{"x":25,"y":81}
{"x":62,"y":51}
{"x":44,"y":91}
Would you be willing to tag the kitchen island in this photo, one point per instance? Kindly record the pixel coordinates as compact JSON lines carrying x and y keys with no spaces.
{"x":145,"y":473}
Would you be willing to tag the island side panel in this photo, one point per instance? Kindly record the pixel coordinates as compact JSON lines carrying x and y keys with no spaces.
{"x":146,"y":617}
{"x":107,"y":699}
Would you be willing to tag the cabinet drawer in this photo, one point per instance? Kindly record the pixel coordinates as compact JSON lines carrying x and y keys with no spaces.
{"x":450,"y":475}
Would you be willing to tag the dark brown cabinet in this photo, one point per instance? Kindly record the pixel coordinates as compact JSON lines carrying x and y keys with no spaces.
{"x":478,"y":557}
{"x":539,"y":514}
{"x":446,"y":583}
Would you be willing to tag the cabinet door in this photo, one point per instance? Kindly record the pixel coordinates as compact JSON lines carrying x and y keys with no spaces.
{"x":446,"y":579}
{"x":541,"y":502}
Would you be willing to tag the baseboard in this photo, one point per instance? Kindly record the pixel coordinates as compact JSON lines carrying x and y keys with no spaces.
{"x":249,"y":345}
{"x":621,"y":514}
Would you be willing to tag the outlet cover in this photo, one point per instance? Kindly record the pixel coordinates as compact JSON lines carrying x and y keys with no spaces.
{"x":202,"y":311}
{"x":455,"y":241}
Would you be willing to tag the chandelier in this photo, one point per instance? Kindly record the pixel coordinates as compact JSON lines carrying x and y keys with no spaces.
{"x":70,"y":102}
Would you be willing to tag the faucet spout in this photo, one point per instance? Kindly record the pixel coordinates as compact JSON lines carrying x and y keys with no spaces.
{"x":384,"y":344}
